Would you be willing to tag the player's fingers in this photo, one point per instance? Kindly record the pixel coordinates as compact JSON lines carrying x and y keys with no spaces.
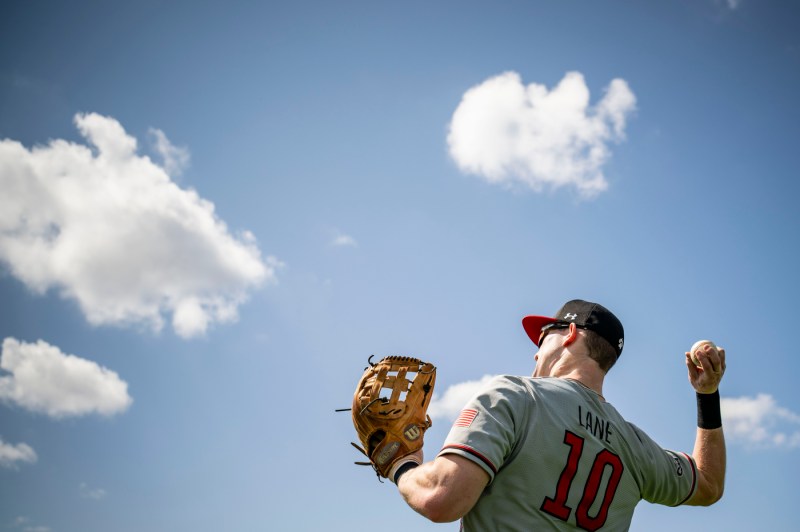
{"x":721,"y":351}
{"x":714,"y":367}
{"x":693,"y":371}
{"x":711,"y":356}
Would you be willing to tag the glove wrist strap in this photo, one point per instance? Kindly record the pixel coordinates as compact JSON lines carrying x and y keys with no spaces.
{"x":403,"y":469}
{"x":402,"y":466}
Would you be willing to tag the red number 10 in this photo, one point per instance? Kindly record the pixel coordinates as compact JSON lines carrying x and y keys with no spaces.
{"x":557,"y":506}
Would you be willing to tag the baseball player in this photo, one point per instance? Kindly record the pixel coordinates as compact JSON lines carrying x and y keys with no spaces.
{"x":548,"y":452}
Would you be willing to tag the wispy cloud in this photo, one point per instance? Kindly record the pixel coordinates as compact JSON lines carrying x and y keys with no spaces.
{"x":509,"y":133}
{"x":91,"y":493}
{"x":12,"y":455}
{"x":448,"y":405}
{"x":758,"y":422}
{"x":343,"y":240}
{"x":24,"y":523}
{"x":729,"y":5}
{"x":109,"y":229}
{"x":43,"y":379}
{"x":175,"y":159}
{"x":20,"y":520}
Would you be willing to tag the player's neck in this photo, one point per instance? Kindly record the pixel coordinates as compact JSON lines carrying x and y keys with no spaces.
{"x":598,"y":389}
{"x":590,"y":377}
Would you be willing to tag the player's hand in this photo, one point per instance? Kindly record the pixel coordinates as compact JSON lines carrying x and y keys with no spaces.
{"x":706,"y":378}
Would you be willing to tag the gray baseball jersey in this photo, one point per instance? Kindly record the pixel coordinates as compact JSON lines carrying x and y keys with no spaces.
{"x":561,"y":458}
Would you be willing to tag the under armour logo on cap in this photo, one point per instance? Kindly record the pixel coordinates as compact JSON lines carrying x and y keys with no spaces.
{"x":585,"y":315}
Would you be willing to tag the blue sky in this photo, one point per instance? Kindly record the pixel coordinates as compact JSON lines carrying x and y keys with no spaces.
{"x":212,"y":214}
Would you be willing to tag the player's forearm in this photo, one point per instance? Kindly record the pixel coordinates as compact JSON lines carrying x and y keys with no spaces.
{"x":424,"y":489}
{"x":709,"y":454}
{"x":709,"y":450}
{"x":444,"y":489}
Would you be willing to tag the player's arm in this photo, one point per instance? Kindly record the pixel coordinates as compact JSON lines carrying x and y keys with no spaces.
{"x":709,"y":455}
{"x":709,"y":447}
{"x":444,"y":489}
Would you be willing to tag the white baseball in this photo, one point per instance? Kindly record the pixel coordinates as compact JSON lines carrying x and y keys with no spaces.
{"x":697,"y":346}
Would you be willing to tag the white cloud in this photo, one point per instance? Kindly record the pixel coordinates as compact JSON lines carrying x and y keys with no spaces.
{"x":343,"y":240}
{"x":45,"y":380}
{"x":12,"y":455}
{"x":91,"y":493}
{"x":176,"y":159}
{"x":759,"y":422}
{"x":23,"y":523}
{"x":109,"y":229}
{"x":509,"y":133}
{"x":449,"y":405}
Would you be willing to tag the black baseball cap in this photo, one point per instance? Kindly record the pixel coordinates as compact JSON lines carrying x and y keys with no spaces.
{"x":585,"y":315}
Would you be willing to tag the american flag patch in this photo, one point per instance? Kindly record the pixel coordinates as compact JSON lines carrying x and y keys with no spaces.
{"x":466,"y":418}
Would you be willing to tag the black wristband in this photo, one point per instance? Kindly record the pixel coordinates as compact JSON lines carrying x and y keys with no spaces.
{"x":708,"y":412}
{"x":402,"y":469}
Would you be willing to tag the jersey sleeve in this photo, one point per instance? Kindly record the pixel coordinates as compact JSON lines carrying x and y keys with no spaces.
{"x":485,"y":431}
{"x":667,"y":477}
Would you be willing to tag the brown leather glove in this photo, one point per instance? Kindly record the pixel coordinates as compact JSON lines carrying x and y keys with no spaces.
{"x":390,"y":410}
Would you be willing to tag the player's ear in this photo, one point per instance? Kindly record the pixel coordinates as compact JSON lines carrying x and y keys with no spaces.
{"x":571,"y":337}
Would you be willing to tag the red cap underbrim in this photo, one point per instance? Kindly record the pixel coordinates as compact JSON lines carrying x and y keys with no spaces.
{"x":533,"y":326}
